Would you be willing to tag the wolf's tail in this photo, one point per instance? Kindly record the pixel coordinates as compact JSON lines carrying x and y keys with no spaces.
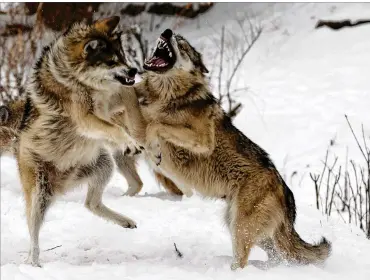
{"x":296,"y":250}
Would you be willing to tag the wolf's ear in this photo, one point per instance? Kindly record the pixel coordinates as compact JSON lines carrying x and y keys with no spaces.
{"x":107,"y":25}
{"x":94,"y":45}
{"x":203,"y":68}
{"x":4,"y":114}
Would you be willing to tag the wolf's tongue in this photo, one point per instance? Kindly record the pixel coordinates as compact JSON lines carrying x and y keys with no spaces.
{"x":156,"y":61}
{"x":159,"y":61}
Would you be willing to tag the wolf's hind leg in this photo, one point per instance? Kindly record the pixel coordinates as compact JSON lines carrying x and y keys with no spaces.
{"x":99,"y":175}
{"x":38,"y":199}
{"x":269,"y":247}
{"x":252,"y":222}
{"x":126,"y":167}
{"x":274,"y":258}
{"x":169,"y":185}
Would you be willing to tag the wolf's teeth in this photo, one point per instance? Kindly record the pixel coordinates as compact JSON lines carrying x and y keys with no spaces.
{"x":170,"y":54}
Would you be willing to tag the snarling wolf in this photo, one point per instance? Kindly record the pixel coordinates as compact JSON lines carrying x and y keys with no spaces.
{"x":65,"y":128}
{"x":202,"y":149}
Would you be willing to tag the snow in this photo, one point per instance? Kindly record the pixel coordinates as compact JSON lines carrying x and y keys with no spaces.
{"x":301,"y":83}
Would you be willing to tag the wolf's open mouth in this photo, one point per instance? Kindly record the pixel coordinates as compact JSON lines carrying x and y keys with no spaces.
{"x":163,"y":58}
{"x":124,"y":80}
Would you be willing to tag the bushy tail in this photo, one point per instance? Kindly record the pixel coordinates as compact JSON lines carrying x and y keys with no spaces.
{"x":296,"y":250}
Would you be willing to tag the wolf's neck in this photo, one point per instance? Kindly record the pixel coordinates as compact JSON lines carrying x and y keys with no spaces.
{"x":168,"y":87}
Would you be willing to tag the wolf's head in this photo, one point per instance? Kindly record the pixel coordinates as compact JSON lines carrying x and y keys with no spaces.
{"x":174,"y":52}
{"x":91,"y":54}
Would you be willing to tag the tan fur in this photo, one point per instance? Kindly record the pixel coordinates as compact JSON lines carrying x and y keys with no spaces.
{"x":113,"y":110}
{"x":202,"y":150}
{"x":168,"y":184}
{"x":62,"y":136}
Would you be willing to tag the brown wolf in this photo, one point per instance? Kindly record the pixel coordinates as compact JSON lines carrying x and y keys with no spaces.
{"x":202,"y":149}
{"x":63,"y":131}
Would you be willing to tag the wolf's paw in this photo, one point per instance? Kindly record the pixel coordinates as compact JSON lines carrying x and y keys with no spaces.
{"x":127,"y":223}
{"x":132,"y":190}
{"x":132,"y":149}
{"x":157,"y":158}
{"x":235,"y":266}
{"x":31,"y":260}
{"x":154,"y":151}
{"x":129,"y":193}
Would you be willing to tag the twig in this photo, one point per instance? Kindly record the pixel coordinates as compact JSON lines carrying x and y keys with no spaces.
{"x":337,"y":177}
{"x":52,"y":248}
{"x":253,"y":41}
{"x":364,"y":139}
{"x":330,"y":172}
{"x":221,"y":63}
{"x":345,"y":178}
{"x":179,"y":254}
{"x":354,"y":135}
{"x":315,"y":179}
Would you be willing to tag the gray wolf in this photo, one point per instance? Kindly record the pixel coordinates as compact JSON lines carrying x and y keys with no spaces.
{"x":64,"y":127}
{"x":201,"y":149}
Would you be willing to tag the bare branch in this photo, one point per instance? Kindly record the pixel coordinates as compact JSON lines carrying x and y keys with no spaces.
{"x":253,"y":41}
{"x":354,"y":135}
{"x":221,"y":64}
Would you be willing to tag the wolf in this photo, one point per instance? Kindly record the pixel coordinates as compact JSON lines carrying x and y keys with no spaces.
{"x":64,"y":127}
{"x":202,"y":150}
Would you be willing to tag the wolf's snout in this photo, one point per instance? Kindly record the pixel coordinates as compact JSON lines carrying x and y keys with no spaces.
{"x":167,"y":34}
{"x":132,"y":72}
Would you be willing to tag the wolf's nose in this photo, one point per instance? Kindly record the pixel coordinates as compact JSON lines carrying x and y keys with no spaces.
{"x":132,"y":72}
{"x":167,"y":34}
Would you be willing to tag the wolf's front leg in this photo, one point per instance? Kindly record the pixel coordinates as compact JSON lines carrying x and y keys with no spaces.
{"x":99,"y":175}
{"x":153,"y":147}
{"x":199,"y":141}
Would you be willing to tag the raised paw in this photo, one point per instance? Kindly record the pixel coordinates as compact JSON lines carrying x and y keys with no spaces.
{"x":158,"y":159}
{"x":132,"y":149}
{"x":154,"y":150}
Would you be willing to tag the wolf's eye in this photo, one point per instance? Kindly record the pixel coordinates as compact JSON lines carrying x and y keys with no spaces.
{"x":110,"y":62}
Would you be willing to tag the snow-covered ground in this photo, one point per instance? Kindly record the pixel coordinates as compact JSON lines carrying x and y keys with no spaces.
{"x":301,"y":83}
